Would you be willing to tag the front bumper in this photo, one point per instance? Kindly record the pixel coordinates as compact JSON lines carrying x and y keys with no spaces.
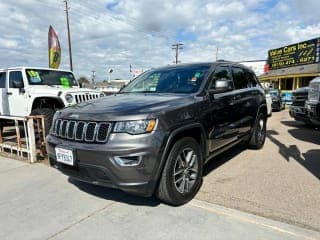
{"x":299,"y":113}
{"x":275,"y":105}
{"x":95,"y":163}
{"x":313,"y":111}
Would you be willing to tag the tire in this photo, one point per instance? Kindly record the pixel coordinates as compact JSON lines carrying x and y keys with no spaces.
{"x":48,"y":117}
{"x":182,"y":174}
{"x":259,"y":132}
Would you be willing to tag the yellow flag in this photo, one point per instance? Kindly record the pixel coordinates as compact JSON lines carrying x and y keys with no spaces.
{"x":54,"y":49}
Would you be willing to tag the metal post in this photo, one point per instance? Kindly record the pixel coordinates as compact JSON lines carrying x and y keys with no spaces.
{"x":69,"y":37}
{"x":32,"y":141}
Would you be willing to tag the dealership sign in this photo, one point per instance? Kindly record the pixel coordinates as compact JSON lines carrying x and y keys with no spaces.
{"x":296,"y":54}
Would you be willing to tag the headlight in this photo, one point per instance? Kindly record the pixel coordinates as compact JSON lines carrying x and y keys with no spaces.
{"x":69,"y":98}
{"x":135,"y":127}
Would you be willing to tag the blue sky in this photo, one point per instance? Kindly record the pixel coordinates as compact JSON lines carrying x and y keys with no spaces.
{"x":116,"y":33}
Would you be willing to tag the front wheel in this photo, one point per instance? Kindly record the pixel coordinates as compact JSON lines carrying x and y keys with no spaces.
{"x":259,"y":132}
{"x":182,"y":174}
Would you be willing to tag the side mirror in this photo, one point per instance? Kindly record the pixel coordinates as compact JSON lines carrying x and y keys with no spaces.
{"x":17,"y":84}
{"x":221,"y":86}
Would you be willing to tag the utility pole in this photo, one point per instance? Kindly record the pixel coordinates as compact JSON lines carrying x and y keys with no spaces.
{"x":217,"y":52}
{"x":93,"y":75}
{"x":177,"y":47}
{"x":69,"y":38}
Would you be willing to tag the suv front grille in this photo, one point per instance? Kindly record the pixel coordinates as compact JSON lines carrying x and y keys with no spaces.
{"x":85,"y":97}
{"x":314,"y":92}
{"x":299,"y":99}
{"x":80,"y":131}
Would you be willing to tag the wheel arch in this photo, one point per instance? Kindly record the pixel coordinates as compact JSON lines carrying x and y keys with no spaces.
{"x":47,"y":102}
{"x":196,"y":131}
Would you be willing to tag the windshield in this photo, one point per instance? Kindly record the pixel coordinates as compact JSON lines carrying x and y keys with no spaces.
{"x":274,"y":93}
{"x":171,"y":80}
{"x":50,"y":77}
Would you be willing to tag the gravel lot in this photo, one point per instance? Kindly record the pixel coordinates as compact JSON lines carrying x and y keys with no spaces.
{"x":280,"y":181}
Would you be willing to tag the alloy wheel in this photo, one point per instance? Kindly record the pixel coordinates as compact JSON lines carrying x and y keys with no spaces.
{"x":186,"y":170}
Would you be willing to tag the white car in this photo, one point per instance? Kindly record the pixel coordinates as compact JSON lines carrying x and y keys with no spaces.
{"x":269,"y":103}
{"x":28,"y":91}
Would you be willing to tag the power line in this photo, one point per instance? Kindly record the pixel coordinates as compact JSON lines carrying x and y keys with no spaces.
{"x":69,"y":37}
{"x":177,"y":47}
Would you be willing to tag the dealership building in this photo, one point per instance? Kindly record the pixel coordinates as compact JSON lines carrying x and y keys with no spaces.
{"x":293,"y":66}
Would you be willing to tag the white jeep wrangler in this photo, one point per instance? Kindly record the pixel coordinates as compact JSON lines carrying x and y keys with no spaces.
{"x":28,"y":91}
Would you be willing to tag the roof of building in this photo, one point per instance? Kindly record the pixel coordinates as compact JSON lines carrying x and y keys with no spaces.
{"x":296,"y":71}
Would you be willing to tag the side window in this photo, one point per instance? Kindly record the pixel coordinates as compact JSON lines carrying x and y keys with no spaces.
{"x":252,"y":81}
{"x":221,"y":72}
{"x":2,"y":79}
{"x":16,"y":80}
{"x":239,"y":78}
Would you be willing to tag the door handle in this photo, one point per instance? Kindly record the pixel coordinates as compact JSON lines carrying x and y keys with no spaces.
{"x":9,"y":93}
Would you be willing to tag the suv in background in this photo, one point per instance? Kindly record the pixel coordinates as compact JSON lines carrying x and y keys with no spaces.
{"x":155,"y":135}
{"x":277,"y":103}
{"x":297,"y":109}
{"x":28,"y":91}
{"x":313,"y":103}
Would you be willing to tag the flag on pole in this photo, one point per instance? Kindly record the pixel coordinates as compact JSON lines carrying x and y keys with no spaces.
{"x":54,"y":49}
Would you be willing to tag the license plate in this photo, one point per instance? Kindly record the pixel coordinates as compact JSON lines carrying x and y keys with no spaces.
{"x":64,"y":156}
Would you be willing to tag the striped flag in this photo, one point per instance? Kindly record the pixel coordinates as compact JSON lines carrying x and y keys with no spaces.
{"x":54,"y":49}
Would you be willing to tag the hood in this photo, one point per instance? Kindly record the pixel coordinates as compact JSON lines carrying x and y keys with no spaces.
{"x":125,"y":105}
{"x":55,"y":89}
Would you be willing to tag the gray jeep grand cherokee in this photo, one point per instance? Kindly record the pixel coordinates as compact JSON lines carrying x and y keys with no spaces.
{"x":155,"y":135}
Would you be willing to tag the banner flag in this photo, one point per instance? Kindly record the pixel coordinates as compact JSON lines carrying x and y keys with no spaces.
{"x":54,"y":49}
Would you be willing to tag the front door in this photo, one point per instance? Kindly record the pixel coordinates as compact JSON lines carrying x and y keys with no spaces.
{"x":4,"y":110}
{"x":16,"y":96}
{"x":221,"y":110}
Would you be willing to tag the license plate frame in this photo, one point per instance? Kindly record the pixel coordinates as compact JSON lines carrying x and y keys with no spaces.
{"x":65,"y":155}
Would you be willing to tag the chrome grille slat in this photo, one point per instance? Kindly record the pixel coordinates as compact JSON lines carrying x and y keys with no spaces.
{"x":80,"y":131}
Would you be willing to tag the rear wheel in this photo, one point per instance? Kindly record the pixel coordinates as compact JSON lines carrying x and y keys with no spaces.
{"x":182,"y":173}
{"x":48,"y":117}
{"x":259,"y":132}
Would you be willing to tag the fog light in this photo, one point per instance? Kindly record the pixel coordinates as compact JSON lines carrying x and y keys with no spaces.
{"x":128,"y":161}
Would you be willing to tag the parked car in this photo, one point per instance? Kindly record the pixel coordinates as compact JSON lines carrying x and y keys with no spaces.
{"x":155,"y":135}
{"x":269,"y":103}
{"x":28,"y":91}
{"x":313,"y":102}
{"x":297,"y":109}
{"x":277,"y":102}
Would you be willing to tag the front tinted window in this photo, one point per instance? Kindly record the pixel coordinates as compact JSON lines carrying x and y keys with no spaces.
{"x":239,"y":78}
{"x":220,"y":73}
{"x":50,"y":77}
{"x":15,"y":78}
{"x":2,"y":79}
{"x":171,"y":80}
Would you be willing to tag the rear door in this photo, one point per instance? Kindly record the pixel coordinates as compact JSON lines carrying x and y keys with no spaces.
{"x":16,"y":94}
{"x":245,"y":99}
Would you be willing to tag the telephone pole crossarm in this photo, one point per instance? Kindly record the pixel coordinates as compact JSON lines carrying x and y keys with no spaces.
{"x":177,"y":47}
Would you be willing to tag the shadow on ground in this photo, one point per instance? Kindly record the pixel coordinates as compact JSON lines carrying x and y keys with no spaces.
{"x":309,"y":160}
{"x":114,"y":194}
{"x":222,"y":158}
